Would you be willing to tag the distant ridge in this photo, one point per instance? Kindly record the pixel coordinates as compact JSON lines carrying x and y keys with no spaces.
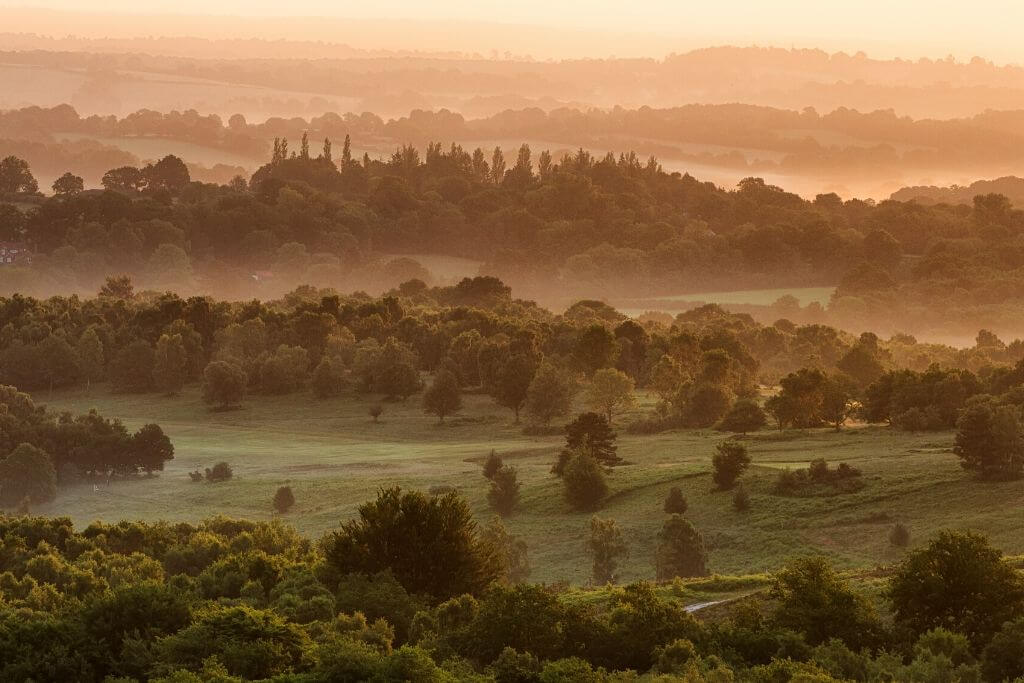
{"x":1010,"y":186}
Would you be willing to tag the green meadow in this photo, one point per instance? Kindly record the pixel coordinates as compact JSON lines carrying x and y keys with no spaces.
{"x":334,"y":456}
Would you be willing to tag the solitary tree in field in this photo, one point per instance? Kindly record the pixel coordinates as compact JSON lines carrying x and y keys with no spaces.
{"x":680,"y":550}
{"x":443,"y":396}
{"x":675,"y":502}
{"x":224,"y":384}
{"x":504,"y":492}
{"x":584,"y":482}
{"x":610,"y":392}
{"x":591,"y":433}
{"x":511,"y":550}
{"x":729,"y":462}
{"x":492,"y":464}
{"x":608,"y":547}
{"x":284,"y":499}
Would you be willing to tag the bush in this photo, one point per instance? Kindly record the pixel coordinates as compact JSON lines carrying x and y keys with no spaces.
{"x":504,"y":492}
{"x":220,"y":472}
{"x":899,"y":536}
{"x":818,"y":480}
{"x":680,"y":550}
{"x":492,"y":465}
{"x":375,"y":411}
{"x":741,"y":499}
{"x":585,"y":486}
{"x":675,"y":502}
{"x":284,"y":499}
{"x":730,"y":461}
{"x":195,"y":475}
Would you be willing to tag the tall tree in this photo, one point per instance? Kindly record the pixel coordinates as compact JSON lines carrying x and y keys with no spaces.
{"x":610,"y":392}
{"x":170,"y":366}
{"x":443,"y":397}
{"x":607,"y":547}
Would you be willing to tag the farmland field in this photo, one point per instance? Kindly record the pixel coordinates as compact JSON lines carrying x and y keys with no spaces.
{"x":335,"y":457}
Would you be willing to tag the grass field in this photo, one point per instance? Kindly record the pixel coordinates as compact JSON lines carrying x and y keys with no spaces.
{"x":335,"y":457}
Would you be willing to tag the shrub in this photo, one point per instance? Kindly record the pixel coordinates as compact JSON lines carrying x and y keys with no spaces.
{"x":680,"y":550}
{"x":818,"y":480}
{"x":284,"y":499}
{"x":585,"y":486}
{"x":220,"y":472}
{"x":675,"y":502}
{"x":504,"y":492}
{"x":375,"y":411}
{"x":899,"y":536}
{"x":492,"y":465}
{"x":195,"y":475}
{"x":730,"y":461}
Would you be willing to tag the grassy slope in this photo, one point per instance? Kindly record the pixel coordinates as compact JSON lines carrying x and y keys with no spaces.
{"x":335,"y":457}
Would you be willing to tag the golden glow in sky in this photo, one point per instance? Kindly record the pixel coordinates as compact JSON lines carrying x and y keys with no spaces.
{"x":990,"y":28}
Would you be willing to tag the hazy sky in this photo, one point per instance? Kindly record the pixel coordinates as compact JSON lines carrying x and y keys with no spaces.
{"x":910,"y":28}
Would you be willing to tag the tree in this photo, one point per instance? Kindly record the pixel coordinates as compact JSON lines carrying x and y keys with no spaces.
{"x":492,"y":464}
{"x":610,"y":392}
{"x":170,"y":366}
{"x":90,"y":356}
{"x":607,"y":547}
{"x":151,"y":448}
{"x":328,"y":378}
{"x":680,"y":550}
{"x":837,"y":393}
{"x":131,"y":370}
{"x":429,"y":543}
{"x":1003,"y":657}
{"x":592,"y":434}
{"x":813,"y":600}
{"x":584,"y":482}
{"x":705,"y":404}
{"x":119,"y":287}
{"x":989,"y":439}
{"x":443,"y":396}
{"x":504,"y":492}
{"x":170,"y":174}
{"x":126,"y":179}
{"x":27,"y":472}
{"x":729,"y":461}
{"x":511,"y":549}
{"x":375,"y":411}
{"x":59,"y":361}
{"x":675,"y":502}
{"x":15,"y":176}
{"x":744,"y":416}
{"x":497,"y":166}
{"x":595,"y":348}
{"x":511,"y":381}
{"x":224,"y":384}
{"x":550,"y":394}
{"x":957,"y":580}
{"x":284,"y":499}
{"x":67,"y":185}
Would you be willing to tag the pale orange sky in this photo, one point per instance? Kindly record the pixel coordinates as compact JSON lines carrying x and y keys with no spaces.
{"x":908,"y":28}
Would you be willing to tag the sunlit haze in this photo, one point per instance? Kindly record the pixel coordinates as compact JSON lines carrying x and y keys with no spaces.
{"x":989,"y":28}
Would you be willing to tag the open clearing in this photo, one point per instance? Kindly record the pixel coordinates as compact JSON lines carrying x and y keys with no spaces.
{"x":335,"y":457}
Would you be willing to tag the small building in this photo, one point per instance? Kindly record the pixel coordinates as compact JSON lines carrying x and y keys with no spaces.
{"x":12,"y":253}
